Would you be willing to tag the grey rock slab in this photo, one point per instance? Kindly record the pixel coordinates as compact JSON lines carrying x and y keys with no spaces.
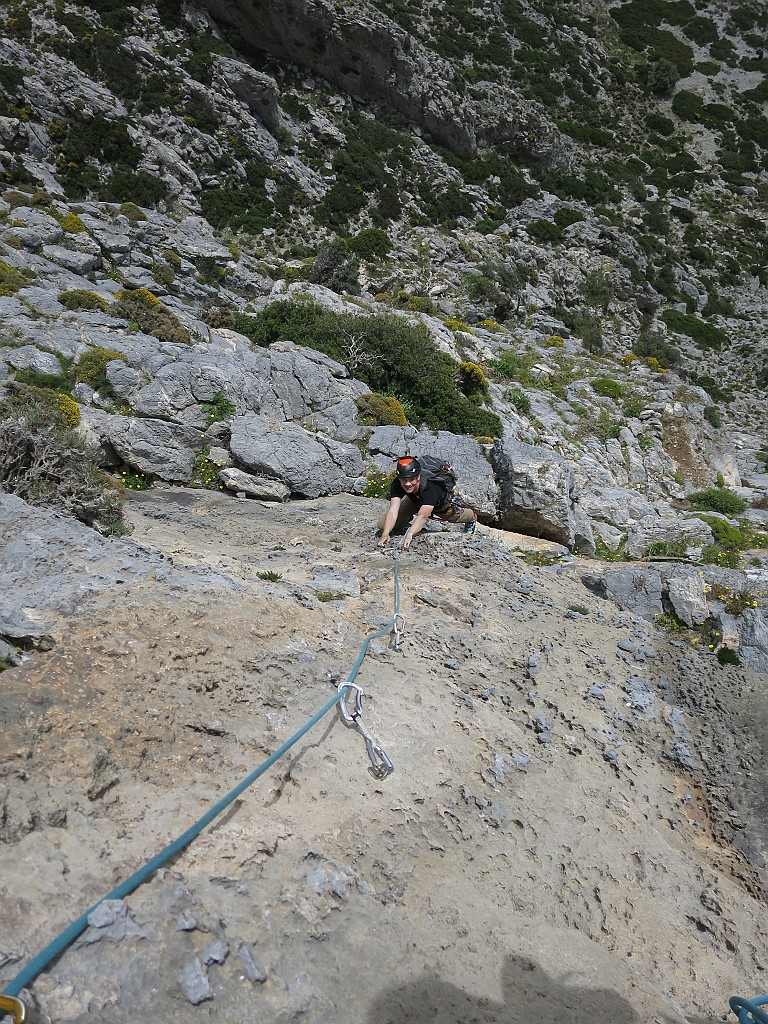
{"x":254,"y":486}
{"x":687,"y":595}
{"x":30,"y":358}
{"x":194,"y":984}
{"x":325,"y":577}
{"x":251,"y":969}
{"x":537,"y":494}
{"x":154,"y":446}
{"x":636,"y":590}
{"x":80,"y":263}
{"x":310,"y":465}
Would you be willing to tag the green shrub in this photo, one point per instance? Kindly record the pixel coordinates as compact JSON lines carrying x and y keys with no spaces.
{"x":336,"y":268}
{"x":703,"y":334}
{"x":380,"y":410}
{"x":712,"y":416}
{"x":81,"y":298}
{"x":519,"y":399}
{"x":653,"y":346}
{"x":11,"y":280}
{"x":607,"y":388}
{"x":662,"y":77}
{"x":544,"y":231}
{"x":219,"y":409}
{"x":378,"y":485}
{"x":418,"y":303}
{"x":370,"y":244}
{"x":91,"y":369}
{"x":512,"y":366}
{"x":472,"y":379}
{"x":718,"y":499}
{"x":597,"y":290}
{"x":144,"y":309}
{"x":43,"y":461}
{"x":590,"y":330}
{"x":402,"y":358}
{"x":727,"y":656}
{"x":205,"y":472}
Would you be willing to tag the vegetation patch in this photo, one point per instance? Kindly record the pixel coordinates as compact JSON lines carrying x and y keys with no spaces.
{"x":144,"y":309}
{"x":393,"y":356}
{"x":43,"y":461}
{"x":82,"y":299}
{"x":379,"y":410}
{"x":718,"y":499}
{"x":705,"y":335}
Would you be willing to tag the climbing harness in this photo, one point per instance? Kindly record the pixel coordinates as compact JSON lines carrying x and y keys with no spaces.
{"x":748,"y":1010}
{"x":381,"y":767}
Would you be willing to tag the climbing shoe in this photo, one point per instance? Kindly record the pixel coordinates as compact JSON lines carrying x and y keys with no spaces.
{"x":470,"y":527}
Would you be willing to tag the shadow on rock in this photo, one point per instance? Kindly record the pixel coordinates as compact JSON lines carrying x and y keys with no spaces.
{"x":530,"y":994}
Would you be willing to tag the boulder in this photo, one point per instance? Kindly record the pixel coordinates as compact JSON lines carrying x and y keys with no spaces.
{"x":254,"y":486}
{"x":687,"y":594}
{"x":311,"y":465}
{"x":537,"y":494}
{"x":633,"y":590}
{"x":154,"y":446}
{"x":654,"y":529}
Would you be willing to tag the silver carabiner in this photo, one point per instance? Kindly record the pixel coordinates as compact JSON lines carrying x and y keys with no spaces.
{"x":398,"y":626}
{"x":381,"y":766}
{"x":351,"y":719}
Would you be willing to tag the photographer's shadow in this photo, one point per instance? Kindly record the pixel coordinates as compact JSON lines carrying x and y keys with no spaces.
{"x":529,"y":995}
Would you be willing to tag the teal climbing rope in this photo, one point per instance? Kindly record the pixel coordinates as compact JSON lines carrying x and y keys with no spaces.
{"x":748,"y":1010}
{"x":381,"y":766}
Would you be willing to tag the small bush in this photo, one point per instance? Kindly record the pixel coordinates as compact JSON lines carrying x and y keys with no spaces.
{"x":380,"y":410}
{"x":270,"y":576}
{"x":727,"y":656}
{"x":72,"y":224}
{"x":654,"y":346}
{"x":712,"y":415}
{"x":718,"y":499}
{"x":703,"y":334}
{"x":91,"y":369}
{"x":370,"y":244}
{"x":607,"y":388}
{"x":519,"y":399}
{"x":43,"y":461}
{"x":11,"y":280}
{"x":597,"y":290}
{"x":418,"y":304}
{"x":219,"y":409}
{"x":379,"y":483}
{"x":144,"y":309}
{"x":457,"y":325}
{"x":80,"y":298}
{"x":336,"y":268}
{"x":205,"y":472}
{"x":472,"y":379}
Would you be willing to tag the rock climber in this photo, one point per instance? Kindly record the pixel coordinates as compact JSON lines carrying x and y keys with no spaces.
{"x":416,"y":496}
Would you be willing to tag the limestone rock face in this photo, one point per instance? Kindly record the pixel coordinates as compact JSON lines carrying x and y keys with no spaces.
{"x":537,"y":494}
{"x":311,"y":465}
{"x":154,"y":446}
{"x":370,"y":57}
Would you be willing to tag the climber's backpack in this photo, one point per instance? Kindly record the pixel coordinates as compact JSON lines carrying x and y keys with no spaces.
{"x":435,"y":468}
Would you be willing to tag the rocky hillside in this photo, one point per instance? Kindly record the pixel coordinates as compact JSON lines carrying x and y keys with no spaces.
{"x":262,"y":250}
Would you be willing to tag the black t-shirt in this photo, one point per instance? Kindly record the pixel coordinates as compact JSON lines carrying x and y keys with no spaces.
{"x":429,"y":493}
